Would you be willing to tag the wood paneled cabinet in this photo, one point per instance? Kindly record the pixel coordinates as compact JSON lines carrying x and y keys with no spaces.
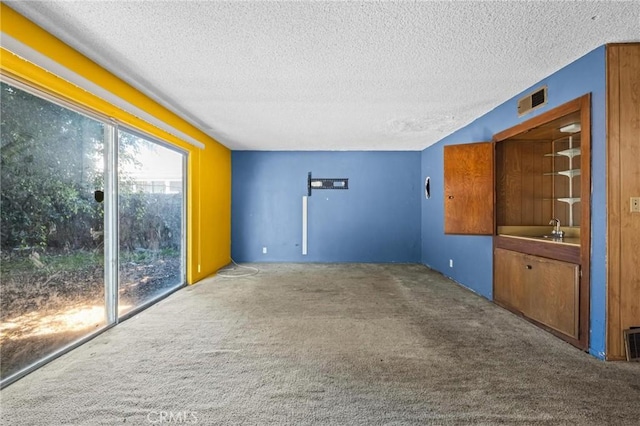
{"x":541,"y":166}
{"x":544,"y":290}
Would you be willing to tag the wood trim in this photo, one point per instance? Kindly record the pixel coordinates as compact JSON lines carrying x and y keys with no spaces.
{"x":564,"y":252}
{"x":585,"y":220}
{"x":532,"y":123}
{"x":613,"y":341}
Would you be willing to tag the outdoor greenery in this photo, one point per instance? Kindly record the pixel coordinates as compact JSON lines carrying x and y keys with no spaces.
{"x":52,"y":227}
{"x":51,"y":165}
{"x":48,"y":173}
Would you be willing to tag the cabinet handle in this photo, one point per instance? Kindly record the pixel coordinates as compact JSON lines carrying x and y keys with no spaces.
{"x":451,"y":197}
{"x":527,"y":266}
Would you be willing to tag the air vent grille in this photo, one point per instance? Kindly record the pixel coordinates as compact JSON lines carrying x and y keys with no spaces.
{"x":632,"y":343}
{"x":532,"y":101}
{"x":538,"y":98}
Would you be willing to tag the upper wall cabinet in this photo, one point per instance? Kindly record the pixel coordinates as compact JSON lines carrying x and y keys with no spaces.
{"x":468,"y":189}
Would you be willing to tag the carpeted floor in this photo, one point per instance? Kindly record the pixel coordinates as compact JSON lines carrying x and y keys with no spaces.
{"x":326,"y":344}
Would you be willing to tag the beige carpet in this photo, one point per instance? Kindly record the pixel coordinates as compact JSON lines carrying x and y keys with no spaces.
{"x":326,"y":344}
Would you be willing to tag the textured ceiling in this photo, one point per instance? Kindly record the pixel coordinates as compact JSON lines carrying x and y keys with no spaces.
{"x":333,"y":75}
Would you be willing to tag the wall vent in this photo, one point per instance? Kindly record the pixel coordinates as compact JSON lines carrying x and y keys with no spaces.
{"x":532,"y":101}
{"x":632,"y":343}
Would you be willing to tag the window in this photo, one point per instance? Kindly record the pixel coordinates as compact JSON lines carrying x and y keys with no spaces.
{"x":57,"y":288}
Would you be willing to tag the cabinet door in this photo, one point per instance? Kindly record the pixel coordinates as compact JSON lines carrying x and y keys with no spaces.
{"x":544,"y":290}
{"x":509,"y":279}
{"x":468,"y":189}
{"x":552,"y":288}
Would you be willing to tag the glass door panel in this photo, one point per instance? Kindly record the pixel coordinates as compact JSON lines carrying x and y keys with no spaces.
{"x":52,"y":250}
{"x":151,"y":220}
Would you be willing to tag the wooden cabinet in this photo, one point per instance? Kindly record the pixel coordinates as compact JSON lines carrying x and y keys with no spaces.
{"x":544,"y":290}
{"x":541,"y":166}
{"x":468,"y":189}
{"x":509,"y":280}
{"x":522,"y":200}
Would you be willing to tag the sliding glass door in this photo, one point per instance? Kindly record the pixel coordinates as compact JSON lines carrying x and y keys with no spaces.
{"x":151,"y":217}
{"x":52,"y":258}
{"x":92,"y":225}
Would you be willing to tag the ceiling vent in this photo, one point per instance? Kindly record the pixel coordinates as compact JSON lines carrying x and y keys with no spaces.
{"x":532,"y":101}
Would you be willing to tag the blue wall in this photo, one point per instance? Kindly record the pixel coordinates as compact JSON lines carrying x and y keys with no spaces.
{"x":472,"y":255}
{"x":384,"y":217}
{"x":376,"y":220}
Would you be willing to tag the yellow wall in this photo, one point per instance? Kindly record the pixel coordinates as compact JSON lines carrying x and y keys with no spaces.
{"x":212,"y":217}
{"x":209,"y":170}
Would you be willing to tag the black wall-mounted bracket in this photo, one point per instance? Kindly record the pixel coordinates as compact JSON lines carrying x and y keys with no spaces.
{"x":326,"y":183}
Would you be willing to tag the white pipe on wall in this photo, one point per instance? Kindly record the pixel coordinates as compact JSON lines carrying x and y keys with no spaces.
{"x":304,"y":225}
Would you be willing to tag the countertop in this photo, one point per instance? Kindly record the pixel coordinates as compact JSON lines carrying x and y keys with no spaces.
{"x":570,"y":241}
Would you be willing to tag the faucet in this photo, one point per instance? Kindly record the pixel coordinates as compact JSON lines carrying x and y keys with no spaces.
{"x":556,"y":232}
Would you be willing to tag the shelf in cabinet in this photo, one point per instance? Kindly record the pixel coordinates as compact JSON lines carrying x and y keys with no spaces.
{"x":569,"y":200}
{"x":571,"y":153}
{"x":568,"y":173}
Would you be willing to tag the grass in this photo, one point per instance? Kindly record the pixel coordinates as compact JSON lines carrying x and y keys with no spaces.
{"x":79,"y":260}
{"x":74,"y":261}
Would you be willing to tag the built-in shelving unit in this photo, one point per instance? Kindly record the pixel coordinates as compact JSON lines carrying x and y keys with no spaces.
{"x":542,"y":173}
{"x":570,"y":151}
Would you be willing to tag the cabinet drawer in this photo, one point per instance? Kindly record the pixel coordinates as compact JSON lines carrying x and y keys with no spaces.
{"x":544,"y":290}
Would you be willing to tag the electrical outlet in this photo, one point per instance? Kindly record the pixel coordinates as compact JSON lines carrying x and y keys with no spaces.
{"x":264,"y":250}
{"x":635,"y":204}
{"x":450,"y":263}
